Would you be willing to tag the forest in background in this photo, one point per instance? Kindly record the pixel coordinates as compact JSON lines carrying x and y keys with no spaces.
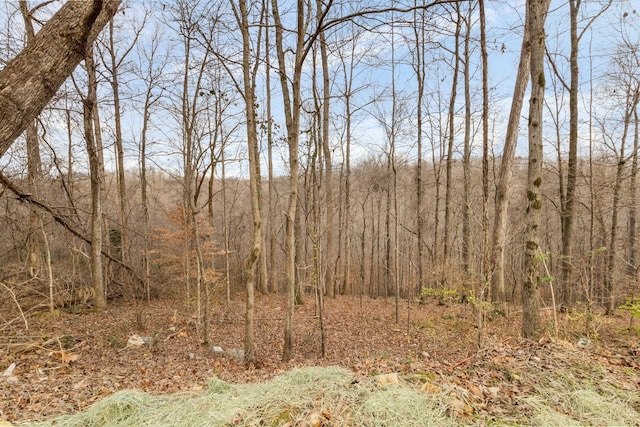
{"x":128,"y":186}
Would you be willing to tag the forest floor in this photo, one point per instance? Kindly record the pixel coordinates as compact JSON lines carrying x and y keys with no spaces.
{"x":66,"y":362}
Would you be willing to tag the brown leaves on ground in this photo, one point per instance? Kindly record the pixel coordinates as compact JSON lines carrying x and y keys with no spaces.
{"x":70,"y":361}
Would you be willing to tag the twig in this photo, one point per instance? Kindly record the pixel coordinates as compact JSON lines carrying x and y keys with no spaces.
{"x":465,"y":360}
{"x":173,"y":334}
{"x":28,"y":198}
{"x":553,"y":295}
{"x":15,"y":299}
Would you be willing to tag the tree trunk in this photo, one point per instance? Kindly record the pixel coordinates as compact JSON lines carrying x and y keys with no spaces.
{"x":34,"y":171}
{"x":90,"y":131}
{"x":632,"y":269}
{"x":466,"y":152}
{"x":292,"y":105}
{"x":505,"y":173}
{"x":610,"y":281}
{"x":330,"y":260}
{"x":531,"y":323}
{"x":568,"y":213}
{"x":449,"y":161}
{"x":420,"y":70}
{"x":122,"y":189}
{"x":249,"y":76}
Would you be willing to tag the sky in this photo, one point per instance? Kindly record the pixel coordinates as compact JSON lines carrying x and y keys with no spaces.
{"x":372,"y":84}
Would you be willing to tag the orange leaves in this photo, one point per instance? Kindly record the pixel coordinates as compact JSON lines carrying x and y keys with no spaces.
{"x":65,"y":357}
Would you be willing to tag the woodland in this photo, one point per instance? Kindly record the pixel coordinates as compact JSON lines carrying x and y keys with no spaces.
{"x":440,"y":197}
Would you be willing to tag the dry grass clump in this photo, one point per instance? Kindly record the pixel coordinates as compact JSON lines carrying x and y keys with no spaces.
{"x":567,"y":401}
{"x":322,"y":397}
{"x":302,"y":397}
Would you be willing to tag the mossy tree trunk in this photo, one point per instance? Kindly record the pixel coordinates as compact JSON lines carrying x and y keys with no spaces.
{"x":531,"y":323}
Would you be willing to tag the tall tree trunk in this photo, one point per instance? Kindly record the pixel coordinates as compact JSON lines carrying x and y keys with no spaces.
{"x":531,"y":323}
{"x":292,"y":105}
{"x":330,"y":260}
{"x":485,"y":143}
{"x":122,"y":189}
{"x":144,"y":198}
{"x":632,"y":269}
{"x":451,"y":139}
{"x":95,"y":170}
{"x":249,"y":76}
{"x":466,"y":152}
{"x":273,"y":263}
{"x":610,"y":281}
{"x":568,"y":213}
{"x":498,"y":292}
{"x":34,"y":170}
{"x":420,"y":70}
{"x":347,"y":220}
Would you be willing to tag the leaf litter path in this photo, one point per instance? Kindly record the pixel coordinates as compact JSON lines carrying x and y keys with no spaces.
{"x":65,"y":363}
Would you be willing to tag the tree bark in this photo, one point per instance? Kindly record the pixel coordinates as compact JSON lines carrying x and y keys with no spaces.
{"x":449,"y":161}
{"x":568,"y":212}
{"x":95,"y":169}
{"x":632,"y":269}
{"x":505,"y":173}
{"x":249,"y":72}
{"x":633,"y":100}
{"x":420,"y":70}
{"x":531,"y":323}
{"x":292,"y":105}
{"x":30,"y":80}
{"x":330,"y":282}
{"x":113,"y":69}
{"x":34,"y":170}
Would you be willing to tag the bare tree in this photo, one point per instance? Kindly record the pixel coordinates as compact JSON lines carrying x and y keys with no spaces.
{"x":34,"y":166}
{"x":114,"y":64}
{"x":93,"y":143}
{"x":249,"y":73}
{"x":568,"y":195}
{"x":152,"y":67}
{"x":292,"y":105}
{"x":626,"y":80}
{"x":505,"y":172}
{"x":451,"y":135}
{"x":420,"y":69}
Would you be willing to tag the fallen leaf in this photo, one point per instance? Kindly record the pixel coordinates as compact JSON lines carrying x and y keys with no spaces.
{"x":385,"y":379}
{"x":430,"y":388}
{"x":81,"y":384}
{"x":135,"y":341}
{"x":66,"y":357}
{"x":475,"y":390}
{"x":69,"y":357}
{"x":493,"y":391}
{"x":9,"y":371}
{"x":315,"y":419}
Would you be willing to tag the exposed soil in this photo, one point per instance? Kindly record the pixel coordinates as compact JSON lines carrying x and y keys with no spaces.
{"x":66,"y":362}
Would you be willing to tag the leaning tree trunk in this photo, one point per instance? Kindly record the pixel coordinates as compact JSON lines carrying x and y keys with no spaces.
{"x":496,"y":263}
{"x":30,"y":80}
